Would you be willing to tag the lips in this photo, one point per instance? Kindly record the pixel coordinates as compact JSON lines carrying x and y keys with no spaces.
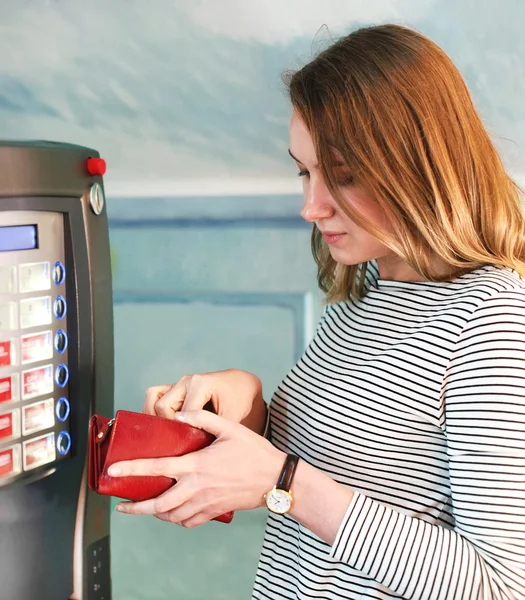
{"x":332,"y":237}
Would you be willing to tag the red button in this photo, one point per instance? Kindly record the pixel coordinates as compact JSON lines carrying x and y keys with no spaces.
{"x":96,"y":166}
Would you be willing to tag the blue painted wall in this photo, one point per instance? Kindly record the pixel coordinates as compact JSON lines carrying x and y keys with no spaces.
{"x":202,"y":293}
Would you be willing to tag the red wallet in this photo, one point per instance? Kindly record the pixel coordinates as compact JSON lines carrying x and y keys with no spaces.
{"x":133,"y":435}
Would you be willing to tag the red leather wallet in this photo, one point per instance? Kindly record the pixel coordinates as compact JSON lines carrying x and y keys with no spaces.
{"x":133,"y":435}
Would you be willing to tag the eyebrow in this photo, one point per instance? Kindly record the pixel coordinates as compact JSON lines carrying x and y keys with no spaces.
{"x":296,"y":159}
{"x":336,"y":164}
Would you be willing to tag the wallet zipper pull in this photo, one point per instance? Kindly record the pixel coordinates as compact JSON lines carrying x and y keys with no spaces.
{"x":103,"y":433}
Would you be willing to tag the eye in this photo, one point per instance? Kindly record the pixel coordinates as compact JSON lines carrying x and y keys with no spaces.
{"x":303,"y":173}
{"x":345,"y":182}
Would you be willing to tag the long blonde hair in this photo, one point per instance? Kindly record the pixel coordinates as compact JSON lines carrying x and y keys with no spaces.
{"x":400,"y":114}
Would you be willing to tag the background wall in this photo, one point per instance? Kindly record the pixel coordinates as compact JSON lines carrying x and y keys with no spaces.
{"x":211,"y":260}
{"x":179,"y":93}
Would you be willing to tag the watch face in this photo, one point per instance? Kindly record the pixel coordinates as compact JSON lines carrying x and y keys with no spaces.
{"x":278,"y":501}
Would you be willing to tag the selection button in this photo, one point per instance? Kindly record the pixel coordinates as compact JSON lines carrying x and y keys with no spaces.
{"x":59,"y":273}
{"x":62,"y":375}
{"x":60,"y":341}
{"x":63,"y":442}
{"x":62,"y":409}
{"x":60,"y":307}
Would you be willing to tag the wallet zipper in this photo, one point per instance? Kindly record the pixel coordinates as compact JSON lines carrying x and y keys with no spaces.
{"x":103,"y":433}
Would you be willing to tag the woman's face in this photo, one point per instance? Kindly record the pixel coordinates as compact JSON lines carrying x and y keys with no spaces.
{"x":349,"y":244}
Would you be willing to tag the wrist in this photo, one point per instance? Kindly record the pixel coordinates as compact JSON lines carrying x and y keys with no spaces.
{"x":274,"y":465}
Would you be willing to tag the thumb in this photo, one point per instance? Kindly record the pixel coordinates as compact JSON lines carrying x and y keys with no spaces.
{"x":208,"y":421}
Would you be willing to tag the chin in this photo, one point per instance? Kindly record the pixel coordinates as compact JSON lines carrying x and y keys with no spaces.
{"x":348,"y":258}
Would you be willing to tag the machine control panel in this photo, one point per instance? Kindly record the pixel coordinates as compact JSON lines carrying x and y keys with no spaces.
{"x":35,"y":406}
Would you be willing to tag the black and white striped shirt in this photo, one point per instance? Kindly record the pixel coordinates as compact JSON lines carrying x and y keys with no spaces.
{"x":413,"y":397}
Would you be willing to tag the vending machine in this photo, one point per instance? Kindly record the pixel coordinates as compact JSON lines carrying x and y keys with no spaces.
{"x":56,"y":369}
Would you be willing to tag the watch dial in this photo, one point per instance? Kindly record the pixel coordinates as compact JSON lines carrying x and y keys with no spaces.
{"x":278,"y":501}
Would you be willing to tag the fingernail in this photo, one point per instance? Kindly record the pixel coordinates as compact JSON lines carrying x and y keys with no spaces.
{"x":113,"y":471}
{"x":180,"y":416}
{"x":120,"y":508}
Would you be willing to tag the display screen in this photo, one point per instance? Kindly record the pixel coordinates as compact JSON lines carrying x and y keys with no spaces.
{"x":18,"y":237}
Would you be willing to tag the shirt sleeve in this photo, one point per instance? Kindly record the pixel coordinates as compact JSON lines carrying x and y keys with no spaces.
{"x":483,"y":557}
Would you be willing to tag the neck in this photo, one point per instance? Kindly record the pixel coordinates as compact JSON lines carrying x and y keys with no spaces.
{"x":394,"y":268}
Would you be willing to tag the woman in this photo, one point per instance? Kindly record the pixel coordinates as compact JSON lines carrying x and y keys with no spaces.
{"x":407,"y":411}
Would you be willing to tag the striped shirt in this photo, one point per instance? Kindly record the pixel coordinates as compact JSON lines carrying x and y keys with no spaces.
{"x":413,"y":397}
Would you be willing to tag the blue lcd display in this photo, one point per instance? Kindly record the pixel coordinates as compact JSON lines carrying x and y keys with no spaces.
{"x":18,"y":237}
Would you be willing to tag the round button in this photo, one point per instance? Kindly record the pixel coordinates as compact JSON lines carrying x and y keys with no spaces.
{"x":62,"y":409}
{"x":59,"y":273}
{"x":96,"y":198}
{"x":60,"y":341}
{"x":63,"y":442}
{"x":96,"y":166}
{"x":62,"y":375}
{"x":60,"y":307}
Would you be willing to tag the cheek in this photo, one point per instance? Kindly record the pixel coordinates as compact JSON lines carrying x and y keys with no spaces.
{"x":372,"y":213}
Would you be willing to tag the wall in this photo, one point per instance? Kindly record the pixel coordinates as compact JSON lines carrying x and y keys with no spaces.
{"x":185,"y":95}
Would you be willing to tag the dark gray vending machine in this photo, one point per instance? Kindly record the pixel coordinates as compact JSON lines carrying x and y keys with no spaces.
{"x":56,"y":369}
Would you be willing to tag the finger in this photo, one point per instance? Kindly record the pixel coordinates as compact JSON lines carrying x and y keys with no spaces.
{"x":173,"y":399}
{"x":190,"y":513}
{"x":173,"y":467}
{"x":153,"y":394}
{"x":166,"y":503}
{"x":181,"y":513}
{"x":147,"y":507}
{"x":199,"y":392}
{"x":166,"y":518}
{"x":210,"y":422}
{"x":174,"y":518}
{"x":196,"y":520}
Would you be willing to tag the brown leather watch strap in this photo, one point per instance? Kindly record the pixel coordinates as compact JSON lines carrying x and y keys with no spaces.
{"x":286,"y":476}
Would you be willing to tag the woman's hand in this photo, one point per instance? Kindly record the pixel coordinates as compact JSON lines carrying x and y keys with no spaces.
{"x":233,"y":473}
{"x":236,"y":395}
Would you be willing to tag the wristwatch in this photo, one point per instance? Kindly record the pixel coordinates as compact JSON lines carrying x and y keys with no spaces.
{"x":279,"y":499}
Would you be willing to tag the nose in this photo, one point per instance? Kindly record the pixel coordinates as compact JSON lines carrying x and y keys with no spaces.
{"x":318,"y":203}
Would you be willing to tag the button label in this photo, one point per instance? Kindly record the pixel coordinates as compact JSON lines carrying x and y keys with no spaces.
{"x":10,"y":461}
{"x":7,"y":388}
{"x":38,"y":346}
{"x":7,"y":316}
{"x":35,"y":312}
{"x":34,"y":277}
{"x":39,"y":451}
{"x":5,"y":353}
{"x":37,"y":382}
{"x":7,"y":280}
{"x":9,"y":425}
{"x":38,"y":416}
